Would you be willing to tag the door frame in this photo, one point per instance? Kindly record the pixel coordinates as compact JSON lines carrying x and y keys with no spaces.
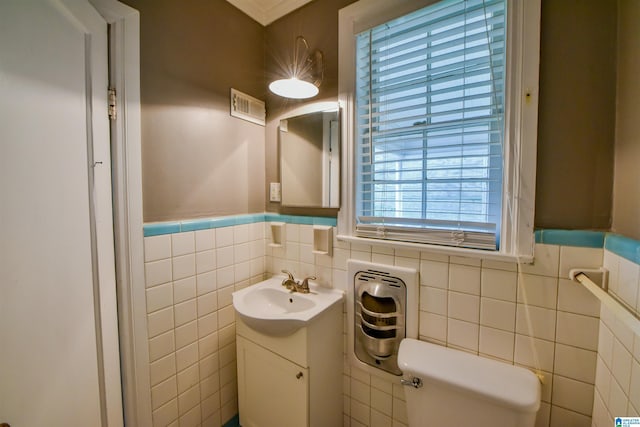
{"x":126,"y":164}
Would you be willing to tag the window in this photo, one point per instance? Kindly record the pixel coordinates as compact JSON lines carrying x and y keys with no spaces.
{"x":435,"y":157}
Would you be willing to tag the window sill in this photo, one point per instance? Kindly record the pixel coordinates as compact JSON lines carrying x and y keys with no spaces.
{"x":444,"y":250}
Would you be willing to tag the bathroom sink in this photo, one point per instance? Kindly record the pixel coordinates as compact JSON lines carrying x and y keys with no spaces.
{"x":271,"y":309}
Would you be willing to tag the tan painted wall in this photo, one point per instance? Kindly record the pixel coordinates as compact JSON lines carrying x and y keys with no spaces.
{"x":197,"y":160}
{"x":577,"y":104}
{"x":576,"y":114}
{"x":626,"y":185}
{"x":318,"y":23}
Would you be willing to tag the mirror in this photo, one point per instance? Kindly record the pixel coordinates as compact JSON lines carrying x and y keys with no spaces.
{"x":310,"y":159}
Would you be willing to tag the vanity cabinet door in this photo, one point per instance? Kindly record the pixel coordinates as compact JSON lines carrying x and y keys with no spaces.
{"x":272,"y":391}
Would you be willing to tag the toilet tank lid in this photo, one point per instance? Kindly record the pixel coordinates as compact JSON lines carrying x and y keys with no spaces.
{"x":507,"y":385}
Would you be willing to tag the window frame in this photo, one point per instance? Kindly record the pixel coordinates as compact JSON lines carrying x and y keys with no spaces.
{"x":520,"y":136}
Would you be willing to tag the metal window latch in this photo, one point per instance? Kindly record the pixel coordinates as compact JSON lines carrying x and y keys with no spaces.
{"x":414,"y":382}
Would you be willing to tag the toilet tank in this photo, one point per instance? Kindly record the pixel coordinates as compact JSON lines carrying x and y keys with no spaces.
{"x":459,"y":388}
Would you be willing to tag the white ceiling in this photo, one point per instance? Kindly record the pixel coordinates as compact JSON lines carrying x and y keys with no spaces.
{"x":267,"y":11}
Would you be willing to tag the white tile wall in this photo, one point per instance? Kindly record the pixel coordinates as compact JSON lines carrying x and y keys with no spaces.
{"x":190,"y":277}
{"x":617,"y":377}
{"x":530,"y":315}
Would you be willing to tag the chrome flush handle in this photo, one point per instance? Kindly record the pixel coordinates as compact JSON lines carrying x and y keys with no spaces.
{"x":414,"y":382}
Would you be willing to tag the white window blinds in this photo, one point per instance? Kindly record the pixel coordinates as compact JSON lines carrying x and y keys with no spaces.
{"x":430,"y":125}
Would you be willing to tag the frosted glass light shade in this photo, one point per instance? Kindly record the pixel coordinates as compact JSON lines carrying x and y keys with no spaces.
{"x":293,"y":88}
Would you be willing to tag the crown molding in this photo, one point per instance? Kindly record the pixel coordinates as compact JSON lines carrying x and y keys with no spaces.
{"x":266,"y":11}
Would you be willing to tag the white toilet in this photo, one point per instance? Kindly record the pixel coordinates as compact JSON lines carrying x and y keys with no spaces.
{"x":447,"y":387}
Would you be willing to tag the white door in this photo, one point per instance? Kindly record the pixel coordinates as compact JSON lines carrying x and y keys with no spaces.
{"x":58,"y":323}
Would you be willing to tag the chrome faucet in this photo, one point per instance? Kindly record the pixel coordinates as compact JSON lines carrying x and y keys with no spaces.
{"x":294,"y":286}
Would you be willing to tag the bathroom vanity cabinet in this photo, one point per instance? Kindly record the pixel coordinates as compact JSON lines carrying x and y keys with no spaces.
{"x":295,"y":380}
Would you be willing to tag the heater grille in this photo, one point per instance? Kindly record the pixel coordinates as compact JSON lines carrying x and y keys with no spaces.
{"x":248,"y":108}
{"x":379,"y":305}
{"x":382,"y":308}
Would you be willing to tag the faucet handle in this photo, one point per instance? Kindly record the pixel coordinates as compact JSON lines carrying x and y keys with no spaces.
{"x":290,"y":282}
{"x":289,"y":274}
{"x":305,"y":283}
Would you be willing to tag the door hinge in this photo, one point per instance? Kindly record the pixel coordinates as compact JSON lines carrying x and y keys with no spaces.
{"x":112,"y":104}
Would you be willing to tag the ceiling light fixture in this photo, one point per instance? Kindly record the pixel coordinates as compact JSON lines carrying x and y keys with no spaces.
{"x":306,"y":74}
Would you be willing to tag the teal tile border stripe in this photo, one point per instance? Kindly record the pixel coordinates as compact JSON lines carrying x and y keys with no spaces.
{"x":582,"y":238}
{"x":623,"y":246}
{"x":160,"y":228}
{"x":303,"y":220}
{"x":233,"y":422}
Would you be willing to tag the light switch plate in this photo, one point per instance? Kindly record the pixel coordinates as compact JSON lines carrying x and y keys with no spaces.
{"x":274,"y":192}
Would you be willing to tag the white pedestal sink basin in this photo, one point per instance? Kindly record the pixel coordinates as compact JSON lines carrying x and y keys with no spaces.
{"x":271,"y":309}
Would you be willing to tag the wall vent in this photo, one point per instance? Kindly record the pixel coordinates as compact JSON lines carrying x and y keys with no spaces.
{"x":248,"y":108}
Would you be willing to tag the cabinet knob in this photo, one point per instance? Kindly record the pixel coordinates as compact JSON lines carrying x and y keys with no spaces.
{"x":298,"y":376}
